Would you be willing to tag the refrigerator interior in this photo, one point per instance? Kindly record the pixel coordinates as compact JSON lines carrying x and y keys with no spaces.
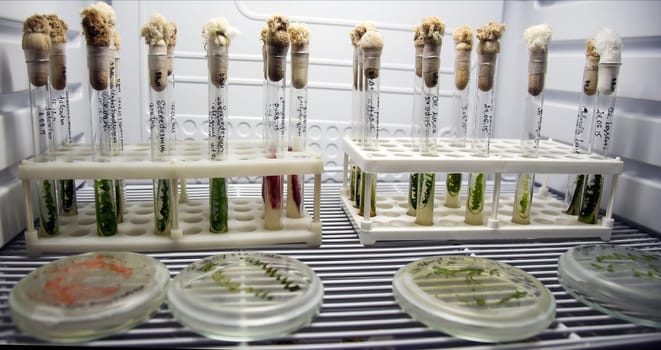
{"x":359,"y":310}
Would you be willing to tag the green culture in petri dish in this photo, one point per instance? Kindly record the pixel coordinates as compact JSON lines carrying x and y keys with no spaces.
{"x":623,"y":282}
{"x":474,"y":298}
{"x":246,"y":296}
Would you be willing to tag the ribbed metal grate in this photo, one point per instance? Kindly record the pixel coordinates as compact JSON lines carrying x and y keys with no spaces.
{"x":359,"y":310}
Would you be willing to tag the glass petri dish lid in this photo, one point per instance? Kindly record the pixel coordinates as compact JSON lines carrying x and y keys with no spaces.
{"x":474,"y":298}
{"x":620,"y":281}
{"x":88,"y":296}
{"x":245,"y":296}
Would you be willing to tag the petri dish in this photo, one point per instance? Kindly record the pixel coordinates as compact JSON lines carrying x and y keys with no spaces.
{"x":88,"y":296}
{"x":620,"y":281}
{"x":245,"y":296}
{"x":474,"y":298}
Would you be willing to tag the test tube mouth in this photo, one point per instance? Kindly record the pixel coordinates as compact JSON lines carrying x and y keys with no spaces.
{"x":371,"y":66}
{"x":37,"y":61}
{"x":607,"y":81}
{"x":276,"y":57}
{"x":98,"y":64}
{"x":157,"y":61}
{"x":57,"y":69}
{"x":217,"y":61}
{"x":170,"y":55}
{"x":299,"y":64}
{"x":462,"y":68}
{"x":485,"y":75}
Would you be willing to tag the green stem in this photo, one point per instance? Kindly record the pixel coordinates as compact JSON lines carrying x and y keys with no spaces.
{"x":413,"y":193}
{"x":577,"y":196}
{"x":475,"y":203}
{"x":218,"y":205}
{"x":358,"y":188}
{"x":589,"y":213}
{"x":68,"y":205}
{"x":424,"y":214}
{"x":453,"y":188}
{"x":106,"y":208}
{"x":162,"y":207}
{"x":352,"y":183}
{"x":522,"y":200}
{"x":120,"y":200}
{"x":48,"y":215}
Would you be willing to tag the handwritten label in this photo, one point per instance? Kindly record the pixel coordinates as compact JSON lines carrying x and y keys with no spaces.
{"x":431,"y":115}
{"x":372,"y":109}
{"x":579,"y":132}
{"x":301,"y":115}
{"x":43,"y":115}
{"x":464,"y":118}
{"x":113,"y":113}
{"x":538,"y":126}
{"x":487,"y":118}
{"x":158,"y":123}
{"x":104,"y":111}
{"x":217,"y":128}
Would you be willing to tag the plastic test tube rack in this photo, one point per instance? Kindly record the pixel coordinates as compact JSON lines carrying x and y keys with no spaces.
{"x":396,"y":155}
{"x":190,"y":228}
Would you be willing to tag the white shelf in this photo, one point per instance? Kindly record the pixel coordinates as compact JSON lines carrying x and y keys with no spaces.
{"x":190,"y":228}
{"x":548,"y":221}
{"x":190,"y":160}
{"x":396,"y":155}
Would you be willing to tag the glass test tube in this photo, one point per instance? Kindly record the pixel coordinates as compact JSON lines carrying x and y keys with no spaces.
{"x":428,"y":142}
{"x":371,"y":113}
{"x":42,"y":140}
{"x":481,"y":137}
{"x":371,"y":65}
{"x":298,"y":114}
{"x":182,"y":193}
{"x":61,"y":112}
{"x":159,"y":124}
{"x":356,"y":127}
{"x":218,"y":201}
{"x":603,"y":131}
{"x":98,"y":58}
{"x":416,"y":122}
{"x":458,"y":123}
{"x":529,"y":148}
{"x":360,"y":117}
{"x":276,"y":100}
{"x":582,"y":140}
{"x":117,"y":132}
{"x":583,"y":131}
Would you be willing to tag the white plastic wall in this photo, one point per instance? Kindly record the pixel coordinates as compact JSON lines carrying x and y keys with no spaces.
{"x":330,"y":23}
{"x":637,"y":123}
{"x":15,"y":120}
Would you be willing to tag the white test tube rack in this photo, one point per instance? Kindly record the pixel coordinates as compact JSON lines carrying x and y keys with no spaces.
{"x":190,"y":227}
{"x":397,"y":155}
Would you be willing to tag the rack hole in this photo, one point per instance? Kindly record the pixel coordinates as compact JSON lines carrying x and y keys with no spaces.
{"x":137,"y":231}
{"x":192,"y":230}
{"x":140,"y":221}
{"x":192,"y":219}
{"x":241,"y":208}
{"x":246,"y":228}
{"x":79,"y":233}
{"x":86,"y":221}
{"x":245,"y":217}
